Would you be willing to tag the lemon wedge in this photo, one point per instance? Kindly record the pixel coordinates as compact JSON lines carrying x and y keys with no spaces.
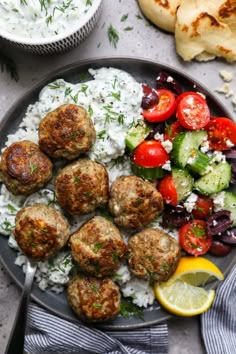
{"x":182,"y":294}
{"x":197,"y":271}
{"x":183,"y":299}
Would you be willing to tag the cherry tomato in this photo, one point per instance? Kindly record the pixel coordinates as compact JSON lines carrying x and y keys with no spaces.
{"x":203,"y":208}
{"x":192,"y":111}
{"x":163,"y":109}
{"x":193,"y":237}
{"x":172,"y":131}
{"x":221,"y":133}
{"x":168,"y":191}
{"x":150,"y":153}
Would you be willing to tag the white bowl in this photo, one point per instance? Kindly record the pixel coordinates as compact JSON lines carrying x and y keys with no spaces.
{"x":61,"y":42}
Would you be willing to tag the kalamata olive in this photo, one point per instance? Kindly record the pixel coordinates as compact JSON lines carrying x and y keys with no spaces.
{"x":229,"y":236}
{"x":150,"y":97}
{"x":218,"y":222}
{"x":230,"y":154}
{"x":166,"y":81}
{"x":219,"y":249}
{"x":158,"y":128}
{"x":175,"y":216}
{"x":233,"y":173}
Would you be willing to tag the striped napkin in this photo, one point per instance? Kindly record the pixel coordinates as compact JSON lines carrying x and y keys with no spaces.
{"x":219,"y":323}
{"x":50,"y":334}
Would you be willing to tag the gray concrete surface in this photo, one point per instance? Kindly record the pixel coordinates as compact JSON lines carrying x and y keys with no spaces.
{"x":146,"y":41}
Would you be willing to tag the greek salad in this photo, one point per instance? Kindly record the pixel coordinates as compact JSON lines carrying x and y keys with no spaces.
{"x":189,"y":154}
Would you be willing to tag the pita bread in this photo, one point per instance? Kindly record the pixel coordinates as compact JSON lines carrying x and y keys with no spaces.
{"x":161,"y":12}
{"x":206,"y":29}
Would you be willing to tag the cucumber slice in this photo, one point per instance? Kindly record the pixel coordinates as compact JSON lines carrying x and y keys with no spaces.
{"x":136,"y":135}
{"x":199,"y":164}
{"x":185,"y":145}
{"x":230,"y":205}
{"x":147,"y":172}
{"x":215,"y":181}
{"x":183,"y":182}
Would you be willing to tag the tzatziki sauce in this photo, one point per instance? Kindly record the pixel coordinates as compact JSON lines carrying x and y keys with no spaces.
{"x":41,"y":18}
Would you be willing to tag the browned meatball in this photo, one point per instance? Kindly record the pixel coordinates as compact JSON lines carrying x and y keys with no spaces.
{"x":25,"y":168}
{"x":66,"y":132}
{"x":41,"y":231}
{"x":153,"y":254}
{"x":82,"y":186}
{"x":134,"y":202}
{"x":93,"y":299}
{"x":98,"y":247}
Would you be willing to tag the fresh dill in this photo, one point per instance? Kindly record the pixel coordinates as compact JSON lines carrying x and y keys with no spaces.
{"x":127,"y":310}
{"x":128,"y":29}
{"x":7,"y":226}
{"x":32,"y":167}
{"x":113,"y":35}
{"x":124,"y":17}
{"x":23,"y":2}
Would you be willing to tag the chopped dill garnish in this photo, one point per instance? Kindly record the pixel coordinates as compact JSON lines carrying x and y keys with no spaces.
{"x":127,"y":310}
{"x":90,"y":110}
{"x":124,"y":17}
{"x":128,"y":28}
{"x":7,"y":226}
{"x":98,"y":246}
{"x":32,"y":167}
{"x":97,"y":306}
{"x":94,"y":288}
{"x":116,"y":95}
{"x":113,"y":36}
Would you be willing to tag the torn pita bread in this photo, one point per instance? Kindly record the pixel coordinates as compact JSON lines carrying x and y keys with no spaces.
{"x":161,"y":12}
{"x":206,"y":29}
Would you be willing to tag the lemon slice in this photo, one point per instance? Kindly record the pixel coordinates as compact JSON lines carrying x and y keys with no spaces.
{"x":183,"y":299}
{"x":197,"y":271}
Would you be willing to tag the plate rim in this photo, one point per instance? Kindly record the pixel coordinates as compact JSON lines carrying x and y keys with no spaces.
{"x":37,"y":86}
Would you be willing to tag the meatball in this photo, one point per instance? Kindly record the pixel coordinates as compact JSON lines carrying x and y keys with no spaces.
{"x":93,"y":299}
{"x":25,"y":168}
{"x":153,"y":254}
{"x":134,"y":202}
{"x":98,"y":247}
{"x":82,"y":186}
{"x":67,"y":132}
{"x":41,"y":231}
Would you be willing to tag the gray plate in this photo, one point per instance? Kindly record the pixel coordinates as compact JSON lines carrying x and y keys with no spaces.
{"x":143,"y":71}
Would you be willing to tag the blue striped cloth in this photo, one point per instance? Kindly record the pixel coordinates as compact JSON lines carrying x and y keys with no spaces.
{"x":50,"y":334}
{"x":219,"y":323}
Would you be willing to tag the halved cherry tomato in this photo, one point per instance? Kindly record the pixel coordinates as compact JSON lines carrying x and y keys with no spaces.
{"x":172,"y":131}
{"x":163,"y":109}
{"x":221,"y":133}
{"x":193,"y":237}
{"x":203,"y":208}
{"x":168,"y":190}
{"x":192,"y":111}
{"x":150,"y":153}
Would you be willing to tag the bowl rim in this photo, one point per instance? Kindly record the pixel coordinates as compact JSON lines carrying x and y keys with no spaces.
{"x":53,"y":39}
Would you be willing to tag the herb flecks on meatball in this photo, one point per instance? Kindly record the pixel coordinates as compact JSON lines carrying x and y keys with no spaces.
{"x":67,"y":132}
{"x":92,"y":299}
{"x":153,"y":254}
{"x":98,"y":247}
{"x":82,"y":186}
{"x":25,"y":168}
{"x":41,"y":231}
{"x":134,"y":202}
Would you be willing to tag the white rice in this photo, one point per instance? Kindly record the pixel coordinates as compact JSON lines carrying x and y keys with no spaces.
{"x":115,"y":95}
